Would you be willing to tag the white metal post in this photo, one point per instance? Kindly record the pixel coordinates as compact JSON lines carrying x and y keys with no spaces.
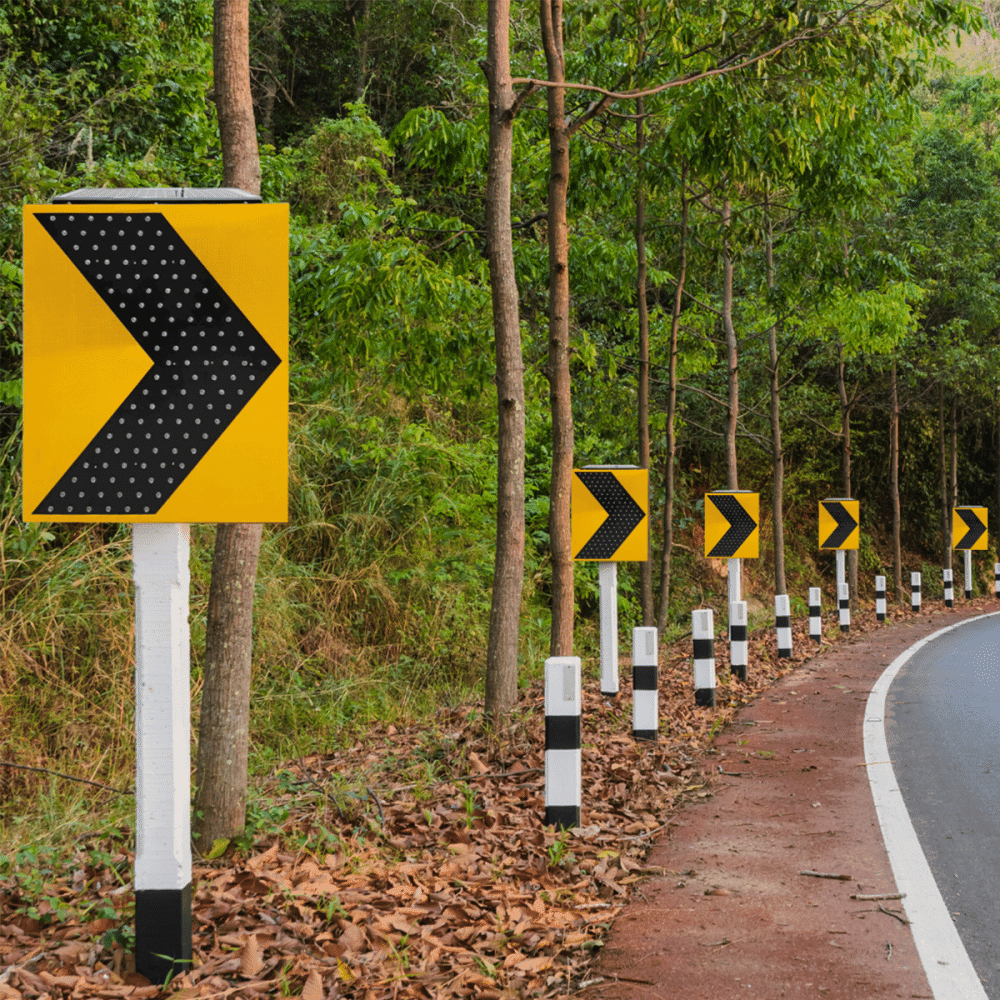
{"x":949,"y":589}
{"x":841,"y":568}
{"x":738,"y":639}
{"x":968,"y":574}
{"x":915,"y":591}
{"x":162,"y":749}
{"x":735,"y":590}
{"x":608,"y":580}
{"x":703,"y":635}
{"x":563,"y":773}
{"x":645,"y":684}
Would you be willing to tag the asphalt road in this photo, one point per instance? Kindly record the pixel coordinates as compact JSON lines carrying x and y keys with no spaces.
{"x":942,"y":728}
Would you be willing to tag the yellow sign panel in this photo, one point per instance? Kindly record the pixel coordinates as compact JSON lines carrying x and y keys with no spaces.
{"x":732,"y":525}
{"x":156,"y":362}
{"x":968,"y":527}
{"x":839,"y":520}
{"x":609,"y":514}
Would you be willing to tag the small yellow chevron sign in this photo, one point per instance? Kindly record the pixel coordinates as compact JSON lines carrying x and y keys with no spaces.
{"x":732,"y":524}
{"x":968,"y":527}
{"x":608,"y":516}
{"x":839,"y":520}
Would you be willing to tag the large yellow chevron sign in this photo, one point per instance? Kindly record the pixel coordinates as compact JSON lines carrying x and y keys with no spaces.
{"x":839,"y":518}
{"x":155,"y":362}
{"x":732,"y":525}
{"x":968,"y":527}
{"x":608,"y":514}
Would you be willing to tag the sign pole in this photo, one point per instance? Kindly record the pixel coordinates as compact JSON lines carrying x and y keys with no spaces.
{"x":968,"y":574}
{"x":735,"y":591}
{"x":163,"y":749}
{"x":841,"y":568}
{"x":608,"y":580}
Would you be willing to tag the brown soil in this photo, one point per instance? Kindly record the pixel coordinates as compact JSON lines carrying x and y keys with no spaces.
{"x":734,"y":916}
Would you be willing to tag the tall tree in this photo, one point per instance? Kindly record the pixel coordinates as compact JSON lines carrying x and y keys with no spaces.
{"x":508,"y":576}
{"x":224,"y":727}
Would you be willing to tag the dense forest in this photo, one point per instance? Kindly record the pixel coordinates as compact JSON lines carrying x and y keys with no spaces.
{"x":782,"y":277}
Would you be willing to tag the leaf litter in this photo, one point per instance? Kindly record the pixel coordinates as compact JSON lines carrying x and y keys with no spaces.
{"x":451,"y":887}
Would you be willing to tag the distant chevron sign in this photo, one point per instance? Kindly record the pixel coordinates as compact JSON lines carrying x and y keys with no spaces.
{"x":155,"y":362}
{"x":968,"y":527}
{"x":608,"y":518}
{"x":839,"y":518}
{"x":732,"y":525}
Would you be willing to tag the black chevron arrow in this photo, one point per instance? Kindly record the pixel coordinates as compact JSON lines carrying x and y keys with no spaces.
{"x":741,"y":526}
{"x":624,"y":515}
{"x":845,"y":524}
{"x":975,"y":526}
{"x":208,"y":361}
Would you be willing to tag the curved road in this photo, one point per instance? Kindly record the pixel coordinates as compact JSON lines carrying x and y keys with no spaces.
{"x":942,"y":731}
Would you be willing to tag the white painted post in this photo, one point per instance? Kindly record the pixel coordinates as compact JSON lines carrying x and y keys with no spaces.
{"x":163,"y":749}
{"x":608,"y":580}
{"x":968,"y":574}
{"x":914,"y":591}
{"x":815,"y":614}
{"x":880,"y":598}
{"x":949,"y":589}
{"x":996,"y":579}
{"x":738,"y":639}
{"x":841,"y":568}
{"x":703,"y":634}
{"x":645,"y":684}
{"x":844,"y":606}
{"x":563,"y":765}
{"x":783,"y":624}
{"x":735,"y":591}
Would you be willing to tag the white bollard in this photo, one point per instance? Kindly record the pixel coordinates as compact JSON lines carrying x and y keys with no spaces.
{"x":996,"y":579}
{"x":815,"y":614}
{"x":703,"y":634}
{"x":949,"y":589}
{"x":563,"y":766}
{"x":645,"y":684}
{"x":914,"y":591}
{"x":844,"y":606}
{"x":162,"y":749}
{"x":783,"y":624}
{"x":738,"y":639}
{"x":607,"y":573}
{"x":880,"y":598}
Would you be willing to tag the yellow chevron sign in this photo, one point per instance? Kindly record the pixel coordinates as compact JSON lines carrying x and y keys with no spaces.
{"x":839,"y":521}
{"x":732,"y":525}
{"x":608,"y":519}
{"x":968,"y":527}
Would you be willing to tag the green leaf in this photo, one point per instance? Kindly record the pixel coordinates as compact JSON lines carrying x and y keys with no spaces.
{"x":218,"y":848}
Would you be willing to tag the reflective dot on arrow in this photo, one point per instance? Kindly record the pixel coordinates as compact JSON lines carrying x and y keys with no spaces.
{"x":624,"y":515}
{"x":208,"y":361}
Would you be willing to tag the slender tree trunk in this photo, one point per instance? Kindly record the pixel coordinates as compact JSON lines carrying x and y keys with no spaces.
{"x":561,"y":638}
{"x":733,"y":411}
{"x":777,"y":456}
{"x":222,"y":766}
{"x":897,"y":551}
{"x":671,"y":449}
{"x":845,"y":457}
{"x":954,"y":452}
{"x":645,"y":568}
{"x":508,"y":573}
{"x":945,"y":505}
{"x":361,"y":31}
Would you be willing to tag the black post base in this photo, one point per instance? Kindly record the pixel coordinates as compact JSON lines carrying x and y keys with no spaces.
{"x":565,"y":817}
{"x":739,"y":672}
{"x":162,"y":932}
{"x":704,"y":697}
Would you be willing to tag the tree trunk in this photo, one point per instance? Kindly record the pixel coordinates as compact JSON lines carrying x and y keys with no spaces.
{"x":361,"y":40}
{"x":224,"y":726}
{"x":645,"y":568}
{"x":733,"y":411}
{"x":897,"y":552}
{"x":561,"y":638}
{"x":954,"y":452}
{"x":845,"y":458}
{"x":945,"y":505}
{"x":222,"y":767}
{"x":777,"y":456}
{"x":508,"y":572}
{"x":671,"y":449}
{"x":237,"y":130}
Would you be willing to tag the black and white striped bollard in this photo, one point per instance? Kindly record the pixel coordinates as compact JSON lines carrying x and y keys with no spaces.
{"x":949,"y":589}
{"x":783,"y":624}
{"x":844,"y":606}
{"x":703,"y":634}
{"x":914,"y":591}
{"x":563,"y":766}
{"x":996,"y":579}
{"x":880,"y":598}
{"x":815,"y":614}
{"x":645,"y":684}
{"x":738,"y":639}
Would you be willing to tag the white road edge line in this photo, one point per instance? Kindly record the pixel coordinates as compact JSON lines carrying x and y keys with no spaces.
{"x":946,"y":963}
